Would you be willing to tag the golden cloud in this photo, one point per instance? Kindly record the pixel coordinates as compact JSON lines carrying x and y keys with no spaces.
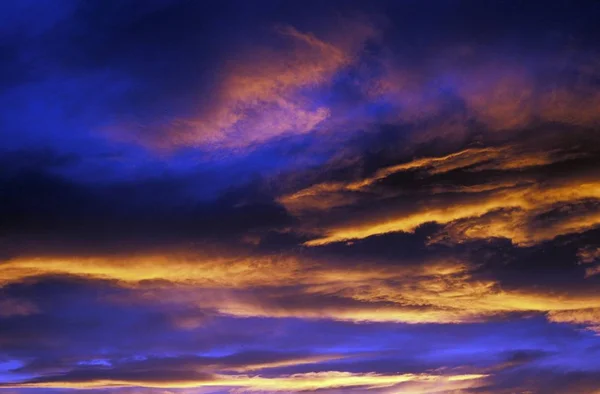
{"x":432,"y":292}
{"x":509,"y":207}
{"x":286,"y":383}
{"x":589,"y":317}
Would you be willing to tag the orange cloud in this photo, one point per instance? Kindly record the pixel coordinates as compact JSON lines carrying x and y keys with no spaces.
{"x":499,"y":93}
{"x":525,"y":201}
{"x":433,"y":292}
{"x":286,"y":383}
{"x":589,"y":254}
{"x":591,"y":257}
{"x":323,"y":196}
{"x":210,"y":271}
{"x":263,"y":92}
{"x":507,"y":208}
{"x":589,"y":317}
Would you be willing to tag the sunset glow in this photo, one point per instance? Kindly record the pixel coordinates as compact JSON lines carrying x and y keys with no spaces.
{"x":269,"y":196}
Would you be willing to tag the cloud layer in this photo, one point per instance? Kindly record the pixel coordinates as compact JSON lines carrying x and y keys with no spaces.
{"x":228,"y":197}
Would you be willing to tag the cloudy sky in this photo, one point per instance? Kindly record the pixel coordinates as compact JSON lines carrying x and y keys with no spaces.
{"x":286,"y":196}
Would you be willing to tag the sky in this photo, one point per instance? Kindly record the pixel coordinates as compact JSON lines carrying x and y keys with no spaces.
{"x":293,"y":196}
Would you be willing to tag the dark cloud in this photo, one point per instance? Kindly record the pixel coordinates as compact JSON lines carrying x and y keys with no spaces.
{"x":44,"y":212}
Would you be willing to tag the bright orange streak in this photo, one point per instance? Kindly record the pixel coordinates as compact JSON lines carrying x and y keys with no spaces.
{"x":435,"y":292}
{"x":296,"y":382}
{"x":532,"y":198}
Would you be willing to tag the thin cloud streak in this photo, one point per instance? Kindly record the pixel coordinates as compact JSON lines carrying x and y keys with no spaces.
{"x":297,"y":382}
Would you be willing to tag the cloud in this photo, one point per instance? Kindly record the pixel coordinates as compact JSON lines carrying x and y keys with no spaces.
{"x":332,"y":196}
{"x":588,"y":317}
{"x":356,"y":76}
{"x":499,"y":191}
{"x":15,"y":307}
{"x":282,"y":287}
{"x":589,"y":256}
{"x":465,"y":83}
{"x":266,"y":93}
{"x":511,"y":209}
{"x":471,"y":159}
{"x":296,"y":382}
